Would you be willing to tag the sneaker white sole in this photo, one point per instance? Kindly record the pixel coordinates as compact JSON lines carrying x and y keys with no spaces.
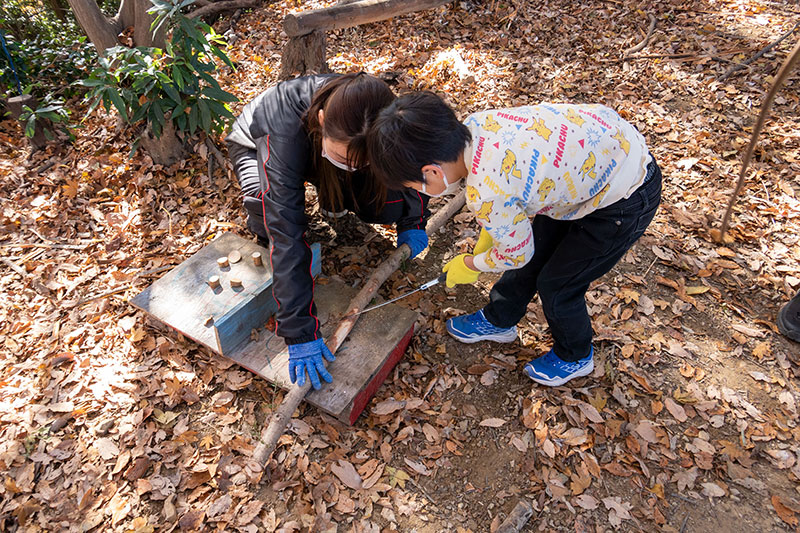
{"x":505,"y":337}
{"x":556,"y":382}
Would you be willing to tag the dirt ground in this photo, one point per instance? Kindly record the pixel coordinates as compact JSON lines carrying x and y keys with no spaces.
{"x":689,"y":422}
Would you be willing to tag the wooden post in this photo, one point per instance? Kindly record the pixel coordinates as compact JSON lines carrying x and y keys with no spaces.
{"x":352,"y":14}
{"x":305,"y":51}
{"x":282,"y":415}
{"x":304,"y":54}
{"x":16,"y":105}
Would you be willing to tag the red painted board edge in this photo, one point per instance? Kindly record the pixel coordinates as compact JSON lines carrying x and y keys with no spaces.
{"x":362,"y":398}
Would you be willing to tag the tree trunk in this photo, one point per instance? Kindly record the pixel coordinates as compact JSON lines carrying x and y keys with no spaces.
{"x":165,"y":150}
{"x":304,"y":55}
{"x":141,"y":22}
{"x":103,"y":31}
{"x":58,"y":9}
{"x":100,"y":30}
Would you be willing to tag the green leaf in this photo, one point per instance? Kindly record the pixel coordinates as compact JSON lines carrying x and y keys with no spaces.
{"x":118,"y":103}
{"x":219,"y":94}
{"x":205,"y":115}
{"x":194,"y":113}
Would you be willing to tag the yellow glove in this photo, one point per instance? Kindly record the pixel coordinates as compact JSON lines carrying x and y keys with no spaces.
{"x":458,"y":272}
{"x":484,"y":242}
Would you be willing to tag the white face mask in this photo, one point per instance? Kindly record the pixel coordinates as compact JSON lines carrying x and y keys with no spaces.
{"x":336,"y":163}
{"x":449,"y":188}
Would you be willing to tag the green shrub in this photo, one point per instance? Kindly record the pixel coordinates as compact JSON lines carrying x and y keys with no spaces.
{"x":51,"y":115}
{"x":48,"y":54}
{"x":151,"y":85}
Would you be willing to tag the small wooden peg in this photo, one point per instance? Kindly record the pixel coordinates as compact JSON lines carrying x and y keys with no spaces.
{"x":222,"y":262}
{"x":257,"y":259}
{"x":213,"y":282}
{"x":209,"y":321}
{"x":236,"y":283}
{"x":235,"y":256}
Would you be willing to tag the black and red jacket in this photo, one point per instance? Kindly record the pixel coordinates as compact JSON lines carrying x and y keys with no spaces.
{"x":272,"y":125}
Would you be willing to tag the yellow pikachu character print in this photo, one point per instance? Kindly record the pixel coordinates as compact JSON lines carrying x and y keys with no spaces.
{"x":540,"y":129}
{"x":587,"y":169}
{"x":472,"y":194}
{"x":491,"y":124}
{"x":519,"y":218}
{"x":575,"y":118}
{"x":545,"y":188}
{"x":520,"y":259}
{"x":489,"y":261}
{"x":509,"y":166}
{"x":485,"y":210}
{"x":623,"y":142}
{"x":599,"y":196}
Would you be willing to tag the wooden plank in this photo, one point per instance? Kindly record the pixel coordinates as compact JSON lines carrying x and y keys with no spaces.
{"x":183,"y":300}
{"x":352,"y":14}
{"x":234,"y":327}
{"x":374,"y":346}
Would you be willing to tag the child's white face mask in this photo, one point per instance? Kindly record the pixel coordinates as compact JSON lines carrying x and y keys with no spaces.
{"x":449,"y":188}
{"x":336,"y":163}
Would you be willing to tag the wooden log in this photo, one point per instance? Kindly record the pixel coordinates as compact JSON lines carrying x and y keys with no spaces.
{"x":304,"y":54}
{"x":352,"y":14}
{"x":282,"y":415}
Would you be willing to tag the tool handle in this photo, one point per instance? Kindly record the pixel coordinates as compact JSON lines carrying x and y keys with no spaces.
{"x":441,"y":279}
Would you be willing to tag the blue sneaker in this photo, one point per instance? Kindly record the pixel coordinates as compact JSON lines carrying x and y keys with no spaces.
{"x":551,"y":370}
{"x":475,"y":328}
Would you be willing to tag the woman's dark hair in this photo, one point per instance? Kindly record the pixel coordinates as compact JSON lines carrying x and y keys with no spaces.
{"x":415,"y":130}
{"x":349,"y":103}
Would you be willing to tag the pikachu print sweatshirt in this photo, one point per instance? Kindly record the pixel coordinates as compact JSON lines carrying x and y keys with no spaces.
{"x":558,"y":160}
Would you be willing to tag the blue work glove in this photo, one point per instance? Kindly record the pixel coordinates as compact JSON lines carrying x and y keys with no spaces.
{"x":416,"y":239}
{"x":307,"y":357}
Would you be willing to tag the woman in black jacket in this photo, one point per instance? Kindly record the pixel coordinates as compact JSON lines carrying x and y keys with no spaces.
{"x":313,"y":129}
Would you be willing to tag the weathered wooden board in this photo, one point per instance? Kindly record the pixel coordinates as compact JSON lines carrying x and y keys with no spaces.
{"x":374,"y":346}
{"x":182,"y":298}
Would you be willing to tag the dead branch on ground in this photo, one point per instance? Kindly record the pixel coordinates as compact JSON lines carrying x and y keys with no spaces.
{"x":643,"y":43}
{"x":770,"y":46}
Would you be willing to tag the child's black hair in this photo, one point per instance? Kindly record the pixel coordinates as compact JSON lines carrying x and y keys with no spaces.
{"x":415,"y":130}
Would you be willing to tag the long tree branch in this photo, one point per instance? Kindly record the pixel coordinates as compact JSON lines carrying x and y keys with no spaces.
{"x":770,"y":46}
{"x":282,"y":415}
{"x":783,"y":73}
{"x":643,"y":43}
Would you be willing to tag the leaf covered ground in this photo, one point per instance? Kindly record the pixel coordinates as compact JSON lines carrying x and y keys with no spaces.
{"x":689,"y":422}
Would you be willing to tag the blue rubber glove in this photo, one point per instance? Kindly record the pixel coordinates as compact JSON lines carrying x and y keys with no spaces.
{"x":416,"y":239}
{"x":307,"y":357}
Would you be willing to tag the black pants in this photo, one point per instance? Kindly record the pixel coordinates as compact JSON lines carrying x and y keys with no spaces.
{"x":568,"y":256}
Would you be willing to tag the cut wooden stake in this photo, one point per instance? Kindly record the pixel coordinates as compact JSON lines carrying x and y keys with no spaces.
{"x":236,"y":283}
{"x":222,"y":262}
{"x":257,"y":259}
{"x":517,"y":518}
{"x":235,"y":256}
{"x":213,"y":282}
{"x":282,"y":415}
